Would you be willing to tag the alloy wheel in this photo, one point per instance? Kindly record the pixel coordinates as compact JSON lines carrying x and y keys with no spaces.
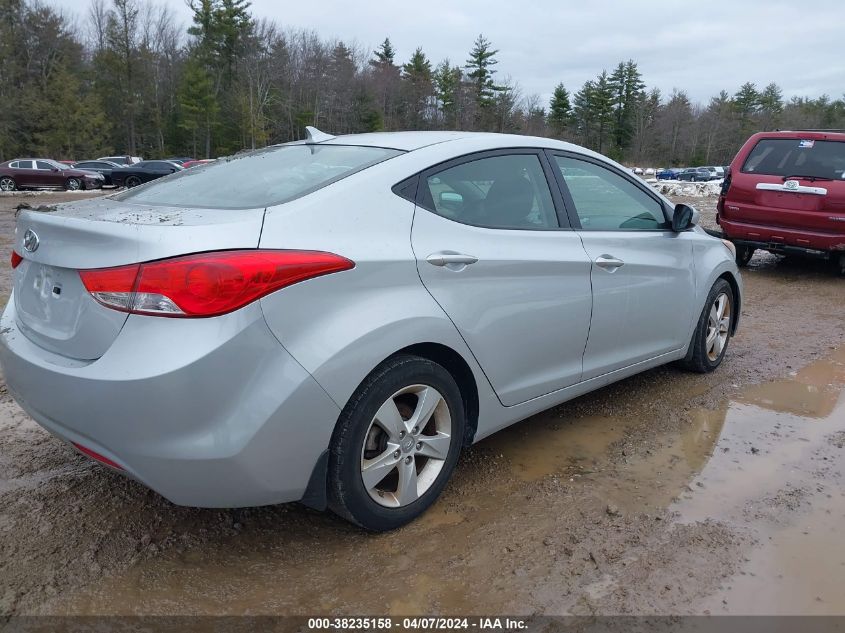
{"x":718,"y":326}
{"x":7,"y":184}
{"x":73,"y":184}
{"x":406,"y":445}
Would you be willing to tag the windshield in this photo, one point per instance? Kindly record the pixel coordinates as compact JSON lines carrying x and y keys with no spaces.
{"x":797,"y":157}
{"x":262,"y":178}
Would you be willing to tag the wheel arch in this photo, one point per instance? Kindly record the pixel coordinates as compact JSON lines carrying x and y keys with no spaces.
{"x":729,"y":277}
{"x":460,"y":370}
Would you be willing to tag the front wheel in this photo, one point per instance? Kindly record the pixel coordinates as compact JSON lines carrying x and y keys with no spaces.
{"x":396,"y":444}
{"x":713,"y":331}
{"x":73,"y":184}
{"x":744,"y":255}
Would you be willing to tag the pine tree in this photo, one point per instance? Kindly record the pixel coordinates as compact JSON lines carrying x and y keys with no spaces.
{"x":480,"y":64}
{"x":416,"y":78}
{"x":560,"y":110}
{"x":447,"y":82}
{"x":384,"y":55}
{"x":627,"y":87}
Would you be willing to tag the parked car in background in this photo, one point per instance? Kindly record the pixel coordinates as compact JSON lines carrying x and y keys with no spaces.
{"x":638,"y":171}
{"x":649,"y":171}
{"x":784,"y":192}
{"x":122,"y":160}
{"x":194,"y":163}
{"x":145,"y":171}
{"x":179,"y":160}
{"x":697,"y":174}
{"x":103,"y":167}
{"x":38,"y":173}
{"x":668,"y":174}
{"x":214,"y":341}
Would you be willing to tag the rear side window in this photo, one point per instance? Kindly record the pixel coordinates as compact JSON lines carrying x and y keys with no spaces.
{"x":503,"y":192}
{"x":796,"y":157}
{"x":259,"y":179}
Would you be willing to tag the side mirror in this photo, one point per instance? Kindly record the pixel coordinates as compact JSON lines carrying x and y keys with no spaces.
{"x":684,"y":217}
{"x":54,"y":169}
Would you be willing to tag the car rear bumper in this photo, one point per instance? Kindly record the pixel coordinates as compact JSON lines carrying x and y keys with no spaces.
{"x":782,"y":239}
{"x":207,"y":412}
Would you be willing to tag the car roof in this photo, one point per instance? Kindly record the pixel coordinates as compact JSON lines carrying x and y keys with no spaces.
{"x":817,"y":135}
{"x":410,"y":141}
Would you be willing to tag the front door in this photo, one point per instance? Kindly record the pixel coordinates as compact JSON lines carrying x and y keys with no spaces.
{"x":642,"y":272}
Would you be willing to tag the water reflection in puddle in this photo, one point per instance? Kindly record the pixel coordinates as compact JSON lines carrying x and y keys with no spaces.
{"x":766,"y":462}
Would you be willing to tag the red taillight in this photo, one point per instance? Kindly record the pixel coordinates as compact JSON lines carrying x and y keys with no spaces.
{"x":16,"y":259}
{"x":205,"y":284}
{"x":96,"y":456}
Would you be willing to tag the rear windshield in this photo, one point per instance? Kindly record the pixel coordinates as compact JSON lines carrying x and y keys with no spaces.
{"x":257,"y":179}
{"x":797,"y":157}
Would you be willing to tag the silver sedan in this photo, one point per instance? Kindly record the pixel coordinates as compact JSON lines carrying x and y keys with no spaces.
{"x":332,"y":321}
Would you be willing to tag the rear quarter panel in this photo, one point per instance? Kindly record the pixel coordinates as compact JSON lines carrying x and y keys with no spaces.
{"x":340,"y":326}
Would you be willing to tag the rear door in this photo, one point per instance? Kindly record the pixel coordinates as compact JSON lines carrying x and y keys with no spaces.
{"x":791,"y":183}
{"x":641,"y":271}
{"x":515,"y":280}
{"x":25,"y":173}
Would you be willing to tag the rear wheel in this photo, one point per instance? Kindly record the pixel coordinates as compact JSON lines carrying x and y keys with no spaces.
{"x":73,"y":184}
{"x":7,"y":184}
{"x":396,"y":444}
{"x":132,"y":181}
{"x":713,"y":332}
{"x":744,"y":255}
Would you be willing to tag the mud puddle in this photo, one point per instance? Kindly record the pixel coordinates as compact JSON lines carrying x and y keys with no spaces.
{"x":735,"y":509}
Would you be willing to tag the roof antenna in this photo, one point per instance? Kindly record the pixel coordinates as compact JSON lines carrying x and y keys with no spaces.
{"x":313,"y":135}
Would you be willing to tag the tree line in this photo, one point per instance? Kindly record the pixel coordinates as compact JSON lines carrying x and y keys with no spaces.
{"x":125,"y":78}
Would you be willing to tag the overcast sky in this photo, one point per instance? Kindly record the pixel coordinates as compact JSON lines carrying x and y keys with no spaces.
{"x":700,"y":47}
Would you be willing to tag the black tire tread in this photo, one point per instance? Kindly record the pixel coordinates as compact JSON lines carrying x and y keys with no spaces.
{"x":338,"y":489}
{"x":696,"y":359}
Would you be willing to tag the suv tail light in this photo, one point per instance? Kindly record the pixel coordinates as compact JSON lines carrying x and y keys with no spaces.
{"x":205,"y":284}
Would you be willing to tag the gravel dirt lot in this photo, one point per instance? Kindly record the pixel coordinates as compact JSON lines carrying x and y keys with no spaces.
{"x":668,"y":493}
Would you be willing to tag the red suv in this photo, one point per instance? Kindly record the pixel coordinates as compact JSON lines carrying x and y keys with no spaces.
{"x":785,"y":193}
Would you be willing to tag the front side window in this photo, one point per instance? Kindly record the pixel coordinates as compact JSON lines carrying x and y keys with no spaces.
{"x":797,"y":157}
{"x":261,"y":178}
{"x":504,"y":192}
{"x":605,"y":201}
{"x":44,"y":165}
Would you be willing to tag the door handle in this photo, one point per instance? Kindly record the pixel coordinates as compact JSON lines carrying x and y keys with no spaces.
{"x":444,"y":258}
{"x":609,"y":263}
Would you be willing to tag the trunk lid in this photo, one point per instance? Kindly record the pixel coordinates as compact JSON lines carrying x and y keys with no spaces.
{"x":53,"y":308}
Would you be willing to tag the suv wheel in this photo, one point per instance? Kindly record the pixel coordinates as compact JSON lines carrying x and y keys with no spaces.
{"x":396,"y":444}
{"x":744,"y":255}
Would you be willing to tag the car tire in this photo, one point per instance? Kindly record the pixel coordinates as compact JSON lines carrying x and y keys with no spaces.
{"x":7,"y":183}
{"x":704,"y":354}
{"x":744,"y":255}
{"x":384,"y":470}
{"x":132,"y":181}
{"x":73,"y":184}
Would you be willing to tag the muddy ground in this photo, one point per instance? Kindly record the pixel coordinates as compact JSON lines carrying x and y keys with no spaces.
{"x":668,"y":493}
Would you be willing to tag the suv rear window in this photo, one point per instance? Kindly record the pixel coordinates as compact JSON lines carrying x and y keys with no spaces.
{"x":796,"y":157}
{"x":262,"y":178}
